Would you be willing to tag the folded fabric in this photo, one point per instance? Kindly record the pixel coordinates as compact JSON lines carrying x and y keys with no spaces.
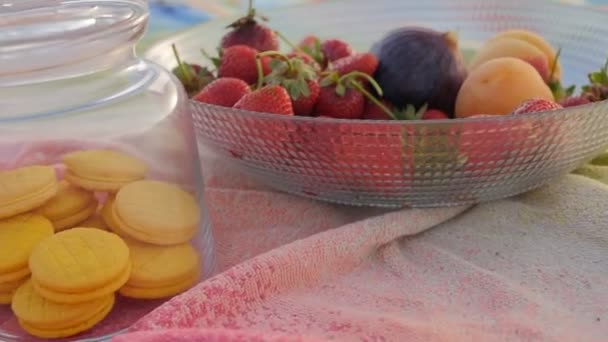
{"x":532,"y":267}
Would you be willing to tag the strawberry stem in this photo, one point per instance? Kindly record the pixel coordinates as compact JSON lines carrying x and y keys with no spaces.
{"x":276,"y":54}
{"x":289,"y":43}
{"x":205,"y":54}
{"x":208,"y":57}
{"x":181,"y":65}
{"x":351,"y":75}
{"x":258,"y":65}
{"x":372,"y":98}
{"x":279,"y":55}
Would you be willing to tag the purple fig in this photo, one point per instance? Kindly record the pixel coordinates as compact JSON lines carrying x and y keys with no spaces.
{"x":420,"y":66}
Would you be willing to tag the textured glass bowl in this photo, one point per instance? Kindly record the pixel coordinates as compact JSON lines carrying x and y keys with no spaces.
{"x":412,"y":163}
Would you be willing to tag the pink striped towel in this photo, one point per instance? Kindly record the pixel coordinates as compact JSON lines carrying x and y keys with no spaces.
{"x":529,"y":268}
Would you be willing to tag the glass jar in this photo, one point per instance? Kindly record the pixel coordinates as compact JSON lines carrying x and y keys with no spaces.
{"x":102,"y":215}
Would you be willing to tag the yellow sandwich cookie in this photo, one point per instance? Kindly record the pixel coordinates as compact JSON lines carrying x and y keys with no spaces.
{"x":103,"y":170}
{"x":12,"y":285}
{"x":158,"y":266}
{"x":7,"y":289}
{"x":69,"y":207}
{"x":15,"y":276}
{"x":160,"y":292}
{"x":46,"y":319}
{"x":108,"y":217}
{"x":156,"y":212}
{"x":19,"y":235}
{"x":79,"y":260}
{"x":95,"y":221}
{"x":75,"y":297}
{"x":6,"y":298}
{"x":25,"y":189}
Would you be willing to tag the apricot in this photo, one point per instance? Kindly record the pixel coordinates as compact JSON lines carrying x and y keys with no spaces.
{"x":539,"y":42}
{"x":512,"y":47}
{"x":498,"y":86}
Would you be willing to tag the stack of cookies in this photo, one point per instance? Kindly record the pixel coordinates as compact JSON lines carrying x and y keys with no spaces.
{"x":75,"y":274}
{"x":69,"y":207}
{"x":157,"y":220}
{"x":18,"y":237}
{"x":65,"y":255}
{"x":43,"y":318}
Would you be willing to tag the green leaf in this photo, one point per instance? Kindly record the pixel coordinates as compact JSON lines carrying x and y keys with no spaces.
{"x":421,"y":111}
{"x":304,"y":88}
{"x":570,"y":90}
{"x":326,"y":81}
{"x":216,"y":61}
{"x":307,"y":50}
{"x":275,"y":63}
{"x":410,"y":112}
{"x":340,"y":89}
{"x":292,"y":89}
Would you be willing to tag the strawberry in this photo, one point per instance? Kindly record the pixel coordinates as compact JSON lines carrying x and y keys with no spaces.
{"x":574,"y":101}
{"x":304,"y":105}
{"x":334,"y":49}
{"x":344,"y":97}
{"x":311,"y":46}
{"x":247,"y":31}
{"x":374,"y":112}
{"x":366,"y":63}
{"x":192,"y":76}
{"x":348,"y":104}
{"x":269,"y":99}
{"x":306,"y":58}
{"x":239,"y":61}
{"x":536,"y":105}
{"x":309,"y":42}
{"x":597,"y":89}
{"x":296,"y":76}
{"x":225,"y":91}
{"x":434,"y":114}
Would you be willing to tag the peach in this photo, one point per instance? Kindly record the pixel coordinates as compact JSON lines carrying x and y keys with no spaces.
{"x":498,"y":86}
{"x":539,"y":42}
{"x":512,"y":47}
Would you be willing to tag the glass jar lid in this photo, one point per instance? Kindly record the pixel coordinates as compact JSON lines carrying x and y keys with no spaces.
{"x":39,"y":36}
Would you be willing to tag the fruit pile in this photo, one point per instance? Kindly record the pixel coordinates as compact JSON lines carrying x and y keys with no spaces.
{"x":411,"y":73}
{"x":70,"y":245}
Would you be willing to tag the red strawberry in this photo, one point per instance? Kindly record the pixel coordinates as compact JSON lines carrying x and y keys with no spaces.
{"x":192,"y":76}
{"x":434,"y":114}
{"x":297,"y":77}
{"x":224,"y":91}
{"x":344,"y":96}
{"x":239,"y":61}
{"x":304,"y":105}
{"x":349,"y":105}
{"x":374,"y":112}
{"x":574,"y":101}
{"x":536,"y":105}
{"x":309,"y":42}
{"x":247,"y":31}
{"x":311,"y":46}
{"x":306,"y":58}
{"x":366,"y":63}
{"x":334,"y":49}
{"x":269,"y":99}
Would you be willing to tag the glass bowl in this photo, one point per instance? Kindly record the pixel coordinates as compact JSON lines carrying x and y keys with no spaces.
{"x":83,"y":120}
{"x":411,"y":163}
